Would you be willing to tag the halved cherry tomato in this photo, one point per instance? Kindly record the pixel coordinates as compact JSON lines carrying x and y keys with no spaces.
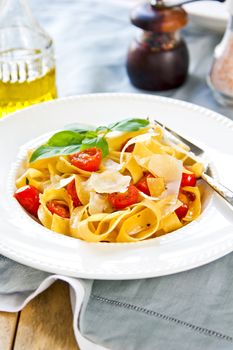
{"x":142,"y":184}
{"x":71,"y":189}
{"x":122,"y":200}
{"x":28,"y":197}
{"x":88,"y":160}
{"x":191,"y":196}
{"x":130,"y":148}
{"x":56,"y":207}
{"x":188,"y":180}
{"x":183,"y":209}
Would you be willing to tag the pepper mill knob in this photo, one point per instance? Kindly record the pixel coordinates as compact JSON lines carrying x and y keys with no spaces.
{"x":158,"y":59}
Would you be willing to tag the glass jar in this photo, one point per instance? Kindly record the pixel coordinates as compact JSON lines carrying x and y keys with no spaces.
{"x":158,"y":58}
{"x":27,"y":67}
{"x":220,"y":78}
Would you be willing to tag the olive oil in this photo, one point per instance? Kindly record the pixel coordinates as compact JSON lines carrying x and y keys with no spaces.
{"x":27,"y":64}
{"x":17,"y":95}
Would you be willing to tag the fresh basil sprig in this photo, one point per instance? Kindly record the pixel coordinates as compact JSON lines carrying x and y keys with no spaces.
{"x":78,"y":137}
{"x":46,"y":151}
{"x":65,"y":138}
{"x":99,"y":142}
{"x":129,"y":125}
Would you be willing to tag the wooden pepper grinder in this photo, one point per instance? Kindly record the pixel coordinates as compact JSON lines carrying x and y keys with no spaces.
{"x":158,"y":58}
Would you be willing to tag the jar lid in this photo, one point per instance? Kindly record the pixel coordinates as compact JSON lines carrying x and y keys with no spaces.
{"x":159,"y":18}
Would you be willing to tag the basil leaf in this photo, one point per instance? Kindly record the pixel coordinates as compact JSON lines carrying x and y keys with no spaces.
{"x":99,"y":142}
{"x":65,"y":138}
{"x":80,"y":128}
{"x":129,"y":124}
{"x":46,"y":151}
{"x":78,"y":137}
{"x":90,"y":134}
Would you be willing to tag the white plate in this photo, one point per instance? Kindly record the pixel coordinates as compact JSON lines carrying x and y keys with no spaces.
{"x":202,"y":241}
{"x":208,"y":14}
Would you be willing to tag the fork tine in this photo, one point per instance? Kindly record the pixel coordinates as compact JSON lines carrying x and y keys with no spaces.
{"x":193,"y":148}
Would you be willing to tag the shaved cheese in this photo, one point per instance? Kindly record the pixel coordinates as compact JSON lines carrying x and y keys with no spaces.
{"x":98,"y":204}
{"x":58,"y":182}
{"x":167,"y":167}
{"x":64,"y":182}
{"x":108,"y":182}
{"x":109,"y":164}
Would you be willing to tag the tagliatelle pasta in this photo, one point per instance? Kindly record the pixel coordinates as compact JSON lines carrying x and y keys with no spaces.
{"x":123,"y":183}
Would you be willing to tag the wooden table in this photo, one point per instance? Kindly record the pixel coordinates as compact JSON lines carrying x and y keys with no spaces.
{"x":45,"y":323}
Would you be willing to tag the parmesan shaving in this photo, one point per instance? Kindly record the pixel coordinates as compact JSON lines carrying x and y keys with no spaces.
{"x":58,"y":182}
{"x":109,"y":164}
{"x":108,"y":182}
{"x":167,"y":167}
{"x":98,"y":204}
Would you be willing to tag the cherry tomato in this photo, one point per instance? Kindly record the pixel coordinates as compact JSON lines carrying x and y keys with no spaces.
{"x":191,"y":196}
{"x":71,"y":189}
{"x":56,"y":207}
{"x":188,"y":180}
{"x":123,"y":200}
{"x":28,"y":197}
{"x":88,"y":160}
{"x":129,"y":149}
{"x":142,"y":184}
{"x":183,"y":209}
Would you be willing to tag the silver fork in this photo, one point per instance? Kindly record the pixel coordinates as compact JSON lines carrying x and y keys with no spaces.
{"x":197,"y":151}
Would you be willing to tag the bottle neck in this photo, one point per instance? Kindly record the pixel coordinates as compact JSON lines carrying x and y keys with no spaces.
{"x":20,"y":30}
{"x":15,"y":13}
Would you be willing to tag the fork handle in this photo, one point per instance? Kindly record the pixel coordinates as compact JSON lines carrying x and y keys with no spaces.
{"x":219,"y":188}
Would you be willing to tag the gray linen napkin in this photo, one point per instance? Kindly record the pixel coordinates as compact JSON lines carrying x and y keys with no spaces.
{"x":187,"y":311}
{"x":191,"y":310}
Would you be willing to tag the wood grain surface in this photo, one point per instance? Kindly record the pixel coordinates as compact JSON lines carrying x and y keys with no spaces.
{"x":44,"y":324}
{"x":8,"y":325}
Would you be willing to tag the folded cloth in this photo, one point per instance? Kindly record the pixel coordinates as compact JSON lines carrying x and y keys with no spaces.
{"x":191,"y":310}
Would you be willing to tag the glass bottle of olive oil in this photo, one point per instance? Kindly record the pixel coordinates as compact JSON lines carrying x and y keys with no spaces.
{"x":27,"y":66}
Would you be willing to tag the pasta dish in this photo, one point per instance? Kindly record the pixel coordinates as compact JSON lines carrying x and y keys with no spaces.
{"x":125,"y":182}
